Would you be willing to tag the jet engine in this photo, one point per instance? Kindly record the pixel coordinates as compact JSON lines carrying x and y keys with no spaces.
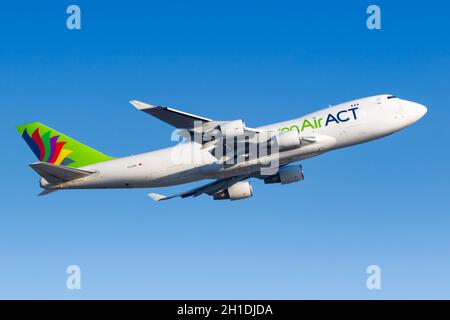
{"x":287,"y":174}
{"x":288,"y":140}
{"x":232,"y":128}
{"x":237,"y":191}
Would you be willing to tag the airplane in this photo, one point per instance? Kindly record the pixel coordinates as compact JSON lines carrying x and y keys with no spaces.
{"x":65,"y":163}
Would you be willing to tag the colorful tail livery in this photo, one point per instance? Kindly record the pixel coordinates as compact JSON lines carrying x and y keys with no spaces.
{"x":53,"y":147}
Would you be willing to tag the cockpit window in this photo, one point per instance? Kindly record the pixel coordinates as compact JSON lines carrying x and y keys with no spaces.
{"x":391,"y":97}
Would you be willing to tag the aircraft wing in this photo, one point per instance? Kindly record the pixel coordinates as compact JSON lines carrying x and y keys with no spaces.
{"x":174,"y":117}
{"x":209,"y":189}
{"x":178,"y":119}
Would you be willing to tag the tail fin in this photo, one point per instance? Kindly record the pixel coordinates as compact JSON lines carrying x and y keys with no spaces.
{"x":53,"y":147}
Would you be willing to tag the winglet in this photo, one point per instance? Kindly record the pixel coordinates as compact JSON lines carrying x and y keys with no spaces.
{"x":141,"y":105}
{"x":157,"y":197}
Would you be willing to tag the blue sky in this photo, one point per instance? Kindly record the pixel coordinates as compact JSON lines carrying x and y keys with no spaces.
{"x":383,"y":203}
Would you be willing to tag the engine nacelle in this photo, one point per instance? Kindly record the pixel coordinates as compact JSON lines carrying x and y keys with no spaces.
{"x":287,"y":174}
{"x":237,"y":191}
{"x":288,"y":140}
{"x":232,"y":128}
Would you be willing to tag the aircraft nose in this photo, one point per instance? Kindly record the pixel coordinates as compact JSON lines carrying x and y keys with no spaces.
{"x":416,"y":111}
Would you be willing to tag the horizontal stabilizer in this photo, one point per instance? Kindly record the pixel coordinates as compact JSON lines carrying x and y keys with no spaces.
{"x":57,"y":174}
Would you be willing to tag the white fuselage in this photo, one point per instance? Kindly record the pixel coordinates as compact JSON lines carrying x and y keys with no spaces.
{"x":335,"y":127}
